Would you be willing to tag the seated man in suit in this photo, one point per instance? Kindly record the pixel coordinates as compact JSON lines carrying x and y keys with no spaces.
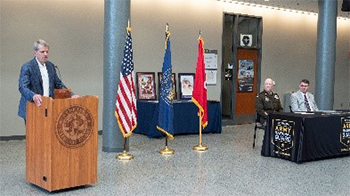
{"x":38,"y":78}
{"x":267,"y":101}
{"x":303,"y":100}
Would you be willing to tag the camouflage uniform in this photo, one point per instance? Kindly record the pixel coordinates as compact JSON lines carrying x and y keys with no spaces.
{"x":266,"y":103}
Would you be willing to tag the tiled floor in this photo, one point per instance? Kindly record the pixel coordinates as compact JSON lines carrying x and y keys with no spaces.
{"x":229,"y":167}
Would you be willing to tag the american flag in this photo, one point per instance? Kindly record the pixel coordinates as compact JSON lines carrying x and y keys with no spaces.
{"x":125,"y":110}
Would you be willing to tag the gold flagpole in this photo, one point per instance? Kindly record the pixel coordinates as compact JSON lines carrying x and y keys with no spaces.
{"x":166,"y":150}
{"x":125,"y":155}
{"x":200,"y":147}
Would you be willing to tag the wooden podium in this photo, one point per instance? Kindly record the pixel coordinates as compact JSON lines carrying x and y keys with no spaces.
{"x":61,"y":142}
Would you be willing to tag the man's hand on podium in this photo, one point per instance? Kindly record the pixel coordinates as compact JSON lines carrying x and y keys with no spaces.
{"x":75,"y":96}
{"x":37,"y":99}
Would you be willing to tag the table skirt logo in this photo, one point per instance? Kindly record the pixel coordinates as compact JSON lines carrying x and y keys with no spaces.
{"x":345,"y":133}
{"x":283,"y":136}
{"x":74,"y":126}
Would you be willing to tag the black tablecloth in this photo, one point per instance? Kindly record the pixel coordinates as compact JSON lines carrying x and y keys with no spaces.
{"x":306,"y":137}
{"x":185,"y":118}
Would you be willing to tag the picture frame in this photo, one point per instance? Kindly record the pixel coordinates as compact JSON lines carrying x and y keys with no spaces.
{"x":211,"y":76}
{"x":145,"y":82}
{"x":173,"y":76}
{"x":211,"y":59}
{"x":186,"y":83}
{"x":246,"y":40}
{"x":245,"y":75}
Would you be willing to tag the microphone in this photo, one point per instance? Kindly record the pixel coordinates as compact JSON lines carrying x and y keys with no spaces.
{"x":59,"y":73}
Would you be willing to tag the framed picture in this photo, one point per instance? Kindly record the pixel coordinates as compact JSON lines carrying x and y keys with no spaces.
{"x":146,"y":85}
{"x":245,"y":75}
{"x":160,"y":74}
{"x":211,"y":60}
{"x":211,"y":76}
{"x":246,"y":40}
{"x":186,"y":83}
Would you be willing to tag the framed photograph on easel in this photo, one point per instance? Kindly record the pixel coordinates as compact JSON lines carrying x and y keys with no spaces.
{"x":145,"y":82}
{"x":186,"y":83}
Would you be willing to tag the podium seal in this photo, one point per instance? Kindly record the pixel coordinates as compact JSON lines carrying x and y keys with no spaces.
{"x":74,"y":126}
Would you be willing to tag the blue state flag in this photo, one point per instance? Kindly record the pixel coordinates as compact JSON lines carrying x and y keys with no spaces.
{"x":166,"y":110}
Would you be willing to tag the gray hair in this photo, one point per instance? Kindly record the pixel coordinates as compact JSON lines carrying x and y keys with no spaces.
{"x":272,"y":81}
{"x":40,"y":42}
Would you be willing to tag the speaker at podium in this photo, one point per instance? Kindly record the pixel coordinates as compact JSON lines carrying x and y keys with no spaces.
{"x":62,"y":142}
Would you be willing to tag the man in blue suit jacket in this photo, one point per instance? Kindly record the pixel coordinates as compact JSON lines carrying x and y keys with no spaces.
{"x":38,"y":78}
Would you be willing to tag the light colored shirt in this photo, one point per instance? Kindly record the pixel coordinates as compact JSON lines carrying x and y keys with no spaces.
{"x":45,"y":78}
{"x":297,"y":102}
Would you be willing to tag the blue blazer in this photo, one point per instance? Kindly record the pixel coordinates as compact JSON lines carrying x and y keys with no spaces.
{"x":30,"y":83}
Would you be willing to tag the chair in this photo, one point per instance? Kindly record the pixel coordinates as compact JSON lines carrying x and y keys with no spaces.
{"x":258,"y":125}
{"x":290,"y":109}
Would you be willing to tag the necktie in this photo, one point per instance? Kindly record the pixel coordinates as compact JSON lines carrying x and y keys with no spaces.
{"x":307,"y":104}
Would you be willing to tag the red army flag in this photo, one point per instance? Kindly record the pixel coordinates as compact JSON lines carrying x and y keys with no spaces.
{"x":199,"y":95}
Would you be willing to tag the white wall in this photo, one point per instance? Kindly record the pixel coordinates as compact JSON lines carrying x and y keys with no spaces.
{"x":74,"y":29}
{"x":185,"y":19}
{"x":342,"y":66}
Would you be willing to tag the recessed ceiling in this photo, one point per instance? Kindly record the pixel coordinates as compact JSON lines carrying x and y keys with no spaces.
{"x":302,"y":5}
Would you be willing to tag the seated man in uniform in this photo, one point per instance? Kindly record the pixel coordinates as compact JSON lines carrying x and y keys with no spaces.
{"x":267,"y":101}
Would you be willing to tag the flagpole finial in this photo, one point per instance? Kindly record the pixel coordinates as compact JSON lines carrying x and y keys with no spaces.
{"x":167,"y":32}
{"x":200,"y":34}
{"x":128,"y":29}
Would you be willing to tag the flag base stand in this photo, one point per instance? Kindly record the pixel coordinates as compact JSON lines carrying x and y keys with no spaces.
{"x":166,"y":151}
{"x":124,"y":156}
{"x":200,"y":147}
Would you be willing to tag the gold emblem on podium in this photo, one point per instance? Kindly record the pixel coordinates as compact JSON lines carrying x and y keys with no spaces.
{"x":74,"y":126}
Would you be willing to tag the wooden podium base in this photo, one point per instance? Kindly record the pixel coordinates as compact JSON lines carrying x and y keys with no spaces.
{"x":61,"y":143}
